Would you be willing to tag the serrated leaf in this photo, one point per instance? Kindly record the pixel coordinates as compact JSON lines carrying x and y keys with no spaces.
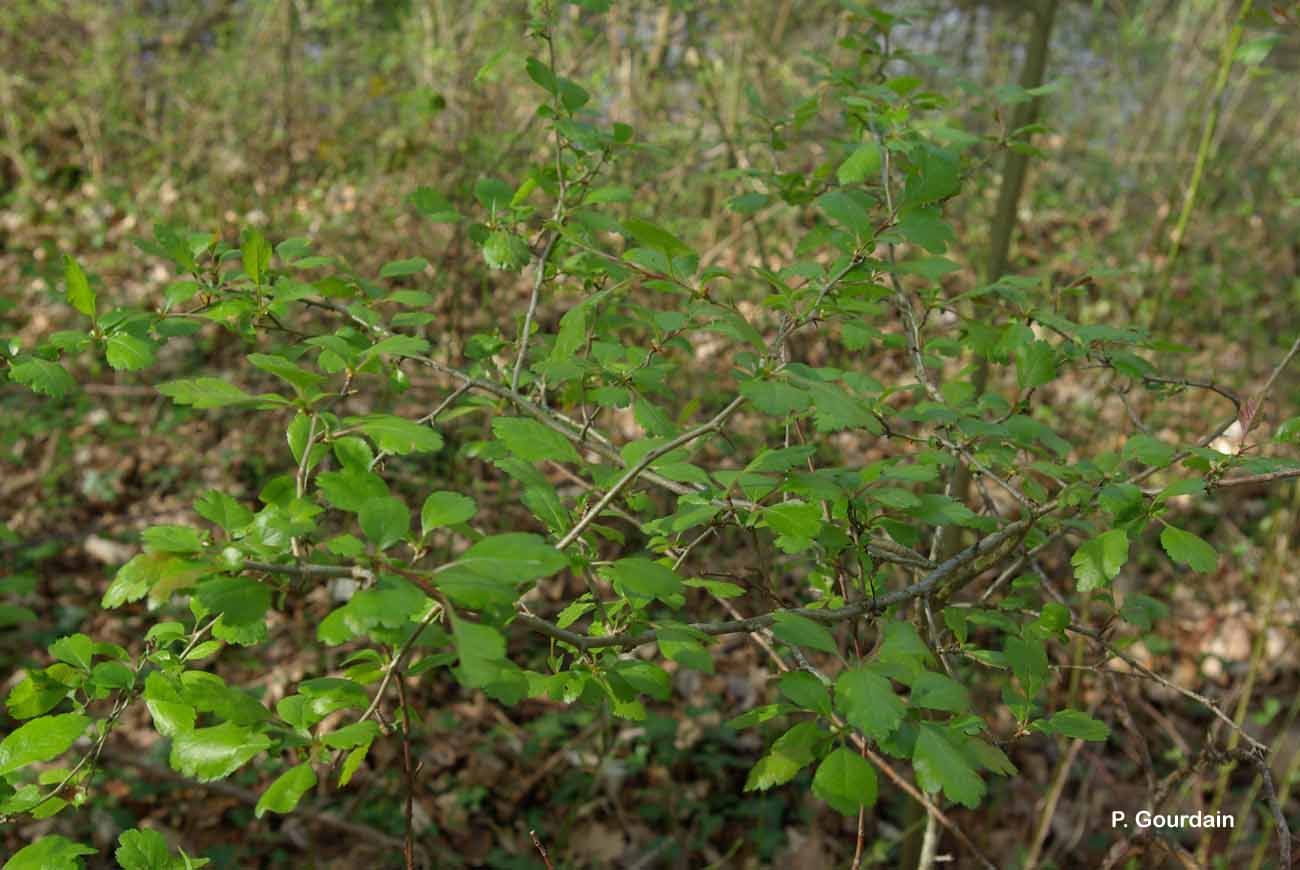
{"x":385,"y":520}
{"x":393,"y":434}
{"x":445,"y":509}
{"x":214,"y":753}
{"x":941,"y":765}
{"x":144,"y":849}
{"x":644,"y":577}
{"x":939,"y":692}
{"x":1188,"y":549}
{"x":531,"y":441}
{"x":1076,"y":724}
{"x":299,"y":378}
{"x":283,"y":795}
{"x":49,"y":853}
{"x":1148,"y":450}
{"x":846,"y":781}
{"x":217,"y":507}
{"x":791,"y":751}
{"x":805,"y":690}
{"x":799,"y":630}
{"x":40,"y":740}
{"x":400,"y":268}
{"x":80,"y":295}
{"x":208,"y":393}
{"x":869,"y":703}
{"x":1099,"y":560}
{"x":1035,"y":364}
{"x":654,"y":236}
{"x":127,"y":353}
{"x":862,"y":165}
{"x":43,"y":376}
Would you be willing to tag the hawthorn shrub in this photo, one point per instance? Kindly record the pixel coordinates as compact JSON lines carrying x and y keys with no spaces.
{"x":660,"y":422}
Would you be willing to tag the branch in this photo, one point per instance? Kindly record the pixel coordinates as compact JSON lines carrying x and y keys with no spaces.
{"x":951,"y":568}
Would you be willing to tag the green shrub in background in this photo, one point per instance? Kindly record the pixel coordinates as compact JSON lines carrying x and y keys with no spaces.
{"x":651,"y":420}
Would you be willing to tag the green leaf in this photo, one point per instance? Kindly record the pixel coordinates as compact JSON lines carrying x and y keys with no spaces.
{"x":256,"y":255}
{"x":80,"y":296}
{"x":805,"y":690}
{"x":1076,"y":724}
{"x":238,"y":600}
{"x":862,"y":165}
{"x":1188,"y":549}
{"x":1035,"y":364}
{"x":1148,"y":451}
{"x":848,"y":211}
{"x":794,"y":518}
{"x":514,"y":556}
{"x":505,"y":251}
{"x":445,"y":509}
{"x":869,"y":703}
{"x":776,"y":396}
{"x":49,"y":853}
{"x":393,"y":434}
{"x":217,"y":507}
{"x":127,"y":353}
{"x":533,"y":442}
{"x":791,"y":751}
{"x":940,"y":764}
{"x":655,"y":236}
{"x":400,"y":268}
{"x":213,"y":753}
{"x":799,"y":630}
{"x":208,"y":393}
{"x":939,"y":692}
{"x":434,"y":206}
{"x":1288,"y":431}
{"x":143,"y":849}
{"x":399,"y":345}
{"x":43,"y":376}
{"x":643,"y":577}
{"x":76,"y":650}
{"x":846,"y":781}
{"x":385,"y":520}
{"x":282,"y":796}
{"x":1098,"y":561}
{"x":40,"y":740}
{"x":302,"y":380}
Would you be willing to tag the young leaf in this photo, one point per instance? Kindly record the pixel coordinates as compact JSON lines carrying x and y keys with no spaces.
{"x":1098,"y":561}
{"x":1074,"y":723}
{"x":862,"y":165}
{"x":1188,"y":549}
{"x":445,"y":509}
{"x":80,"y":296}
{"x":791,"y":751}
{"x":282,"y":796}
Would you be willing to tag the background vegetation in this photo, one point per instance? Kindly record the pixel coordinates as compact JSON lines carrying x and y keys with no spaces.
{"x":1161,"y":190}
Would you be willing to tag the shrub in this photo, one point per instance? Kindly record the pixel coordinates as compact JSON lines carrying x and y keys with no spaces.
{"x":909,"y":633}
